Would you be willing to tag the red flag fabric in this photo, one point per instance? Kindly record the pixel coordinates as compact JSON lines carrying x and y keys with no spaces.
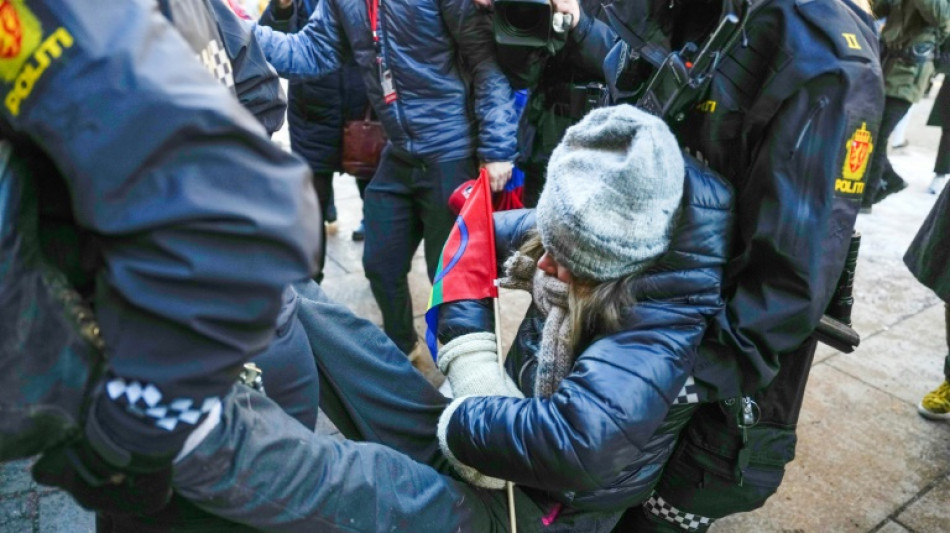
{"x":467,"y":268}
{"x":508,"y":198}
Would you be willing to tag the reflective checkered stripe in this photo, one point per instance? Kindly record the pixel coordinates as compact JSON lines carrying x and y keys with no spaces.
{"x":658,"y":507}
{"x":688,"y":394}
{"x":215,"y":58}
{"x":145,"y":400}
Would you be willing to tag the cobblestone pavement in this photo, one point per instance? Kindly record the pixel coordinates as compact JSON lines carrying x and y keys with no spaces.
{"x":866,"y":461}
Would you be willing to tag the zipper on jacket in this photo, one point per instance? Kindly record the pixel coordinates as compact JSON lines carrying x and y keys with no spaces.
{"x":812,"y":113}
{"x":397,"y":107}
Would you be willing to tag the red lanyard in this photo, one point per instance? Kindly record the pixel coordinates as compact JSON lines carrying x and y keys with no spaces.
{"x":372,"y":6}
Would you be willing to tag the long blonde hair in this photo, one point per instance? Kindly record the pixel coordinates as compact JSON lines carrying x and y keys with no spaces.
{"x":594,"y":307}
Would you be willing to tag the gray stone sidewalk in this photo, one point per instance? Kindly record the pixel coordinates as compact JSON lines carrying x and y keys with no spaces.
{"x":866,"y":461}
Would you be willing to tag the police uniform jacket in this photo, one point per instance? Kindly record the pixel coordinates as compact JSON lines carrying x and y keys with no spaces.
{"x":437,"y":51}
{"x":601,"y":439}
{"x":194,"y":239}
{"x":231,"y":54}
{"x":911,"y":24}
{"x":794,"y":138}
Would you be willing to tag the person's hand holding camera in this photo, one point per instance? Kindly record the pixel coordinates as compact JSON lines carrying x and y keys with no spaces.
{"x":568,"y":7}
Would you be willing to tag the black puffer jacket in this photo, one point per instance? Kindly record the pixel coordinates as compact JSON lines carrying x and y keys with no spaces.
{"x":602,"y":437}
{"x":318,"y":107}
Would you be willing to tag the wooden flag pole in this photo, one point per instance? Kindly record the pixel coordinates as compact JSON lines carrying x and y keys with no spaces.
{"x":509,"y":486}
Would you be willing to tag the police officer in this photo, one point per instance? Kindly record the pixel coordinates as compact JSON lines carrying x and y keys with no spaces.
{"x":790,"y":118}
{"x":155,"y":174}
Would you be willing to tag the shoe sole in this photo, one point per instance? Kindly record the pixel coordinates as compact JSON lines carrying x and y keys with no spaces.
{"x":930,"y":415}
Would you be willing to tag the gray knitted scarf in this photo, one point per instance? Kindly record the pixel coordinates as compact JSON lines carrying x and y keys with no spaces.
{"x":555,"y":357}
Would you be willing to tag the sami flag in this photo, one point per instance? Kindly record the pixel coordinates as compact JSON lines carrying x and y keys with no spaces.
{"x":512,"y":196}
{"x":467,"y":266}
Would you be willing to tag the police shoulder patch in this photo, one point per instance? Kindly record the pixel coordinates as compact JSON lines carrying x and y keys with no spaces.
{"x":20,"y":34}
{"x":26,"y":51}
{"x":857,"y":153}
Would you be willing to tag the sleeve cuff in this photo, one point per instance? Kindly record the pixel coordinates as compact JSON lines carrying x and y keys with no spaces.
{"x":467,"y":473}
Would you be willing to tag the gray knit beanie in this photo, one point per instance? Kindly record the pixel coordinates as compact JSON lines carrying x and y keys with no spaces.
{"x":613,"y":188}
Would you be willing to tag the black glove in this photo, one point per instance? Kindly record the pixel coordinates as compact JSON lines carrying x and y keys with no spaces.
{"x":98,"y":486}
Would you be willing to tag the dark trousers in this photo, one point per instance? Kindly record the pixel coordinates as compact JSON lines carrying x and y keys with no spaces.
{"x":323,"y":185}
{"x":942,"y":165}
{"x":260,"y":468}
{"x":405,"y":203}
{"x":881,"y":173}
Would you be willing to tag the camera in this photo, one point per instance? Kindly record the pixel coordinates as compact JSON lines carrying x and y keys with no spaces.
{"x":527,"y":22}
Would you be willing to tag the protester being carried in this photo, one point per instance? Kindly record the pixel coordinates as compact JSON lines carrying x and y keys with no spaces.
{"x":625,"y":269}
{"x":635,"y":351}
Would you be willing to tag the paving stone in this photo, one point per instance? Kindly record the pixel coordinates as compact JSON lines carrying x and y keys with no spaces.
{"x":906,"y":360}
{"x":862,"y":453}
{"x":17,"y":513}
{"x":930,"y":513}
{"x":15,"y":477}
{"x":353,"y":290}
{"x":59,"y":513}
{"x":892,"y":527}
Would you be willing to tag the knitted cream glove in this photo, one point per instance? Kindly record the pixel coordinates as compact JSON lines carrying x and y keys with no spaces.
{"x":469,"y":474}
{"x":471,"y":365}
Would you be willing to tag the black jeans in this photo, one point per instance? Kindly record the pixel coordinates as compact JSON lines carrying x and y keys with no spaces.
{"x":407,"y":202}
{"x":942,"y":165}
{"x":881,"y":169}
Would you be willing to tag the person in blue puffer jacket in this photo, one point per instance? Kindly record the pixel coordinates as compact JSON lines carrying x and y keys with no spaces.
{"x":316,"y":112}
{"x":418,"y":62}
{"x":625,"y":268}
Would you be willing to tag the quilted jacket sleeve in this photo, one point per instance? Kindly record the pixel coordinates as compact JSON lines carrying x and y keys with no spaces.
{"x":493,"y":98}
{"x":257,"y":85}
{"x":316,"y":49}
{"x":598,"y":420}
